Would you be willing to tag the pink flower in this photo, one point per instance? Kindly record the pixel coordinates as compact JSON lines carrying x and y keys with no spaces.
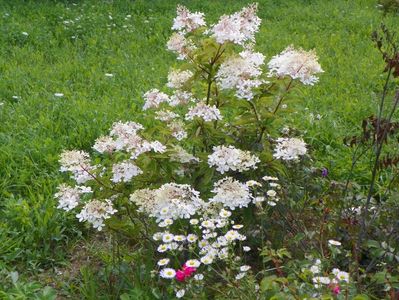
{"x":180,"y":275}
{"x":335,"y":289}
{"x":188,"y":271}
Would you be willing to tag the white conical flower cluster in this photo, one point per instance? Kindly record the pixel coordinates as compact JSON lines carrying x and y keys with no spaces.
{"x":96,"y":212}
{"x":178,"y":78}
{"x":231,"y":193}
{"x":153,"y":98}
{"x":289,"y":149}
{"x":125,"y":137}
{"x":187,"y":21}
{"x":170,"y":201}
{"x":69,"y":197}
{"x":297,"y":64}
{"x":241,"y":73}
{"x":206,"y":112}
{"x":78,"y":163}
{"x":124,"y":171}
{"x":238,"y":28}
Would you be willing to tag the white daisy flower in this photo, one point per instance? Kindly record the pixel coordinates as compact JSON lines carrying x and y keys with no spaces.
{"x":245,"y":268}
{"x":246,"y":249}
{"x":163,"y":262}
{"x":180,"y":293}
{"x":162,"y":248}
{"x":193,"y":263}
{"x":334,"y":243}
{"x":168,"y":273}
{"x":198,"y":277}
{"x":191,"y":238}
{"x":206,"y":260}
{"x":224,"y":213}
{"x":167,"y":237}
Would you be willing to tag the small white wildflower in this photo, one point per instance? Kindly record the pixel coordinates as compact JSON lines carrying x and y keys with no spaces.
{"x":180,"y":293}
{"x":224,"y":213}
{"x":275,"y":185}
{"x":179,"y":238}
{"x":167,"y":237}
{"x":269,"y":178}
{"x":191,"y":238}
{"x":168,"y":273}
{"x":259,"y":199}
{"x":157,"y":236}
{"x":237,"y":226}
{"x":334,"y":243}
{"x":343,"y":276}
{"x":180,"y":98}
{"x":321,"y":279}
{"x":194,"y":221}
{"x":246,"y":249}
{"x":245,"y":268}
{"x":173,"y":246}
{"x":168,"y":222}
{"x":335,"y":271}
{"x":163,"y":262}
{"x":194,"y":263}
{"x":315,"y":269}
{"x":162,"y":248}
{"x":198,"y":277}
{"x":177,"y":128}
{"x":253,"y":183}
{"x":206,"y":260}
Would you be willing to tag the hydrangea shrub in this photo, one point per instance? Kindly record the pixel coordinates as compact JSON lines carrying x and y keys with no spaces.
{"x":203,"y":179}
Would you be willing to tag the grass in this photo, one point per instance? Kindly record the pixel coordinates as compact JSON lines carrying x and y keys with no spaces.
{"x":70,"y":47}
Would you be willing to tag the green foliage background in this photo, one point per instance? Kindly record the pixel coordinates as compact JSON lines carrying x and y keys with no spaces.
{"x":73,"y":58}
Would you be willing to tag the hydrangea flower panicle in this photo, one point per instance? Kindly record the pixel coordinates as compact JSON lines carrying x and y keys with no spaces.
{"x":96,"y":212}
{"x":231,"y":193}
{"x":289,"y":149}
{"x":206,"y":112}
{"x":297,"y":64}
{"x":153,"y":98}
{"x":226,"y":158}
{"x":186,"y":21}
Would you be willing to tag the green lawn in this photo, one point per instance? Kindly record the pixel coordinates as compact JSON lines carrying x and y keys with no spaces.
{"x":50,"y":47}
